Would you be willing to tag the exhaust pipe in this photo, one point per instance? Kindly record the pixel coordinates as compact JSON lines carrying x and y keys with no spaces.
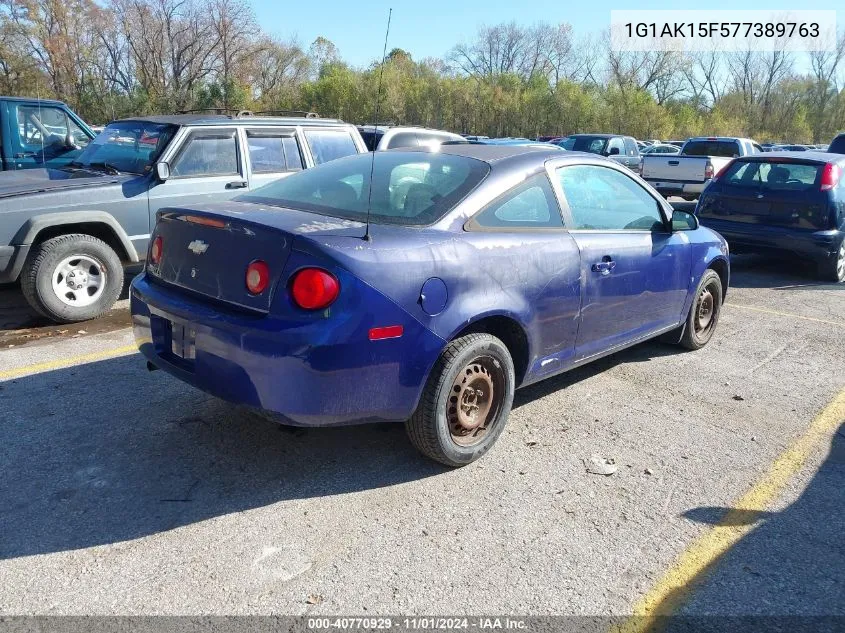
{"x":151,"y":367}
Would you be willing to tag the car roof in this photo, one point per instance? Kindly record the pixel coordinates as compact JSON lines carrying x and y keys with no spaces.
{"x":492,"y":153}
{"x":223,"y":119}
{"x":809,"y":155}
{"x":597,"y":135}
{"x":35,"y":99}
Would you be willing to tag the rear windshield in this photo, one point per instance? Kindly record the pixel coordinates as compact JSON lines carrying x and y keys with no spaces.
{"x":592,"y":144}
{"x":727,"y":149}
{"x":410,"y":188}
{"x":774,"y":176}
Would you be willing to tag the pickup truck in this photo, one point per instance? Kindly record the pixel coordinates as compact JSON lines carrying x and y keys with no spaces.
{"x":688,"y":173}
{"x":39,"y":133}
{"x":67,"y":233}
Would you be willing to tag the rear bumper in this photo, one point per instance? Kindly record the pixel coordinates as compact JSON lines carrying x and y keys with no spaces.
{"x":677,"y":187}
{"x":819,"y":246}
{"x":11,"y":262}
{"x":315,"y":372}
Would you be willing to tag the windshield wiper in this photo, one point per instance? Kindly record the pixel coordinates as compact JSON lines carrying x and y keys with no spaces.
{"x":102,"y":166}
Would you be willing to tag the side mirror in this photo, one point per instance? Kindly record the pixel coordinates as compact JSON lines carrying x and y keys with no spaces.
{"x":683,"y":221}
{"x":163,"y":171}
{"x":614,"y":151}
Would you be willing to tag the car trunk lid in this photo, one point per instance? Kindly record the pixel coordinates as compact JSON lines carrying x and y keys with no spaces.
{"x":206,"y":250}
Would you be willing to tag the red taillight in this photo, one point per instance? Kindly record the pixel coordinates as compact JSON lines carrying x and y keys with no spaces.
{"x":708,"y":171}
{"x":314,"y":288}
{"x":830,"y":176}
{"x":257,"y":277}
{"x":156,"y":250}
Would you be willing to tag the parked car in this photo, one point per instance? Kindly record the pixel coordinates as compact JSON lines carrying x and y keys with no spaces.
{"x":793,"y":148}
{"x":837,"y":145}
{"x":39,"y":133}
{"x":525,"y":142}
{"x":65,"y":233}
{"x":782,"y":202}
{"x":381,"y":137}
{"x":622,"y":149}
{"x":474,"y":271}
{"x":661,"y":148}
{"x":687,"y":174}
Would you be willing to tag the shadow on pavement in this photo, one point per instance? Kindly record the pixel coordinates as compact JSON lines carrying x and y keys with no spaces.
{"x":777,"y":273}
{"x":792,"y":564}
{"x":106,"y":452}
{"x":87,"y":464}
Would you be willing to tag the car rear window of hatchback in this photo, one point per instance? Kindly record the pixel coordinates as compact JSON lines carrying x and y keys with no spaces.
{"x":774,"y":175}
{"x":410,"y":188}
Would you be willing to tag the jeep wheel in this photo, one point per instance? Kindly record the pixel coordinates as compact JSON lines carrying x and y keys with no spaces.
{"x":72,"y":278}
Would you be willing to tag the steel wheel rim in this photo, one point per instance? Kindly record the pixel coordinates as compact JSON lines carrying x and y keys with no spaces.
{"x":705,"y":310}
{"x":475,"y":400}
{"x":79,"y":280}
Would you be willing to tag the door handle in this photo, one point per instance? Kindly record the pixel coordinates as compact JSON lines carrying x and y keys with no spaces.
{"x":604,"y":267}
{"x":237,"y":184}
{"x":25,"y":155}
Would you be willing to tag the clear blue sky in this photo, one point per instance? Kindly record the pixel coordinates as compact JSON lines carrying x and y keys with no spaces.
{"x":429,"y":28}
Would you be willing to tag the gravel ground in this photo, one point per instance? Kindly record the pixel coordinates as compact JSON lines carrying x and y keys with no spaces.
{"x":128,"y":492}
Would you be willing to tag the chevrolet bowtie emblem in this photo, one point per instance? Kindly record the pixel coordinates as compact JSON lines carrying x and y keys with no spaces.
{"x":198,"y":247}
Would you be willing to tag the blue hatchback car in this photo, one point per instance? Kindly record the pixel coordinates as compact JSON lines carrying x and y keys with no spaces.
{"x":782,"y":202}
{"x":462,"y":274}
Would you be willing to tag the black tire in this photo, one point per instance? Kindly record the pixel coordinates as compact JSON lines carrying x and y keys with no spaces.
{"x":42,"y":263}
{"x":436,"y":429}
{"x":704,"y":312}
{"x":834,"y":269}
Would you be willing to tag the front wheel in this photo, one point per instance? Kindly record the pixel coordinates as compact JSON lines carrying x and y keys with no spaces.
{"x":705,"y":311}
{"x":466,"y":401}
{"x":834,"y":269}
{"x":72,"y":277}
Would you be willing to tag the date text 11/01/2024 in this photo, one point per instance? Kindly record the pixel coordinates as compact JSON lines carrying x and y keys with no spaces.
{"x":688,"y":30}
{"x":417,"y":624}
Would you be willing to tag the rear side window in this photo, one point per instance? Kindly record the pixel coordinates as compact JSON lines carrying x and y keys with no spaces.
{"x":273,"y":152}
{"x":530,"y":205}
{"x":329,"y":145}
{"x":727,"y":149}
{"x":208,"y":154}
{"x":773,"y":176}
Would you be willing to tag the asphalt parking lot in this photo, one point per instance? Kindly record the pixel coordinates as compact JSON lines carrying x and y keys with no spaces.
{"x":129,"y":492}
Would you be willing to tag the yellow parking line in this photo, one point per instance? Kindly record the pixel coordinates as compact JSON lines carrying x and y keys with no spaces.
{"x":786,"y":314}
{"x":59,"y":363}
{"x":691,"y":566}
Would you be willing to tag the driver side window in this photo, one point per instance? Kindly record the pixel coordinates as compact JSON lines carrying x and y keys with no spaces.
{"x":604,"y":199}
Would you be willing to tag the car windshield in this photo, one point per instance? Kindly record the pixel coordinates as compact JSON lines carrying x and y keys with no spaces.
{"x":410,"y":188}
{"x":592,"y":144}
{"x":130,"y":146}
{"x":726,"y":149}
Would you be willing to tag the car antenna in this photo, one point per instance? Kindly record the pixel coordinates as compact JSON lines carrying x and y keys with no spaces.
{"x":367,"y":237}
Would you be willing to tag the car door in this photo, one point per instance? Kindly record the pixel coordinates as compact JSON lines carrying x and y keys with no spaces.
{"x":39,"y":136}
{"x":541,"y":261}
{"x":272,"y":153}
{"x":206,"y":166}
{"x":634,"y":271}
{"x":632,"y":154}
{"x":616,"y":150}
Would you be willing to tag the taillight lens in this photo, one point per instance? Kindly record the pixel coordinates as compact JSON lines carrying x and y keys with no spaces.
{"x":156,"y":250}
{"x":257,"y":277}
{"x":708,"y":171}
{"x":314,"y":288}
{"x":830,"y":176}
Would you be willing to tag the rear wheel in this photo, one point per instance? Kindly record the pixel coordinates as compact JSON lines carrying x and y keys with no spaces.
{"x":72,"y":278}
{"x":466,"y":401}
{"x":834,"y":269}
{"x":704,"y":313}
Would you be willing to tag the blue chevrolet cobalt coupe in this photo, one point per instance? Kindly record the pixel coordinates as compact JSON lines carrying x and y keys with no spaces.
{"x":460,"y":275}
